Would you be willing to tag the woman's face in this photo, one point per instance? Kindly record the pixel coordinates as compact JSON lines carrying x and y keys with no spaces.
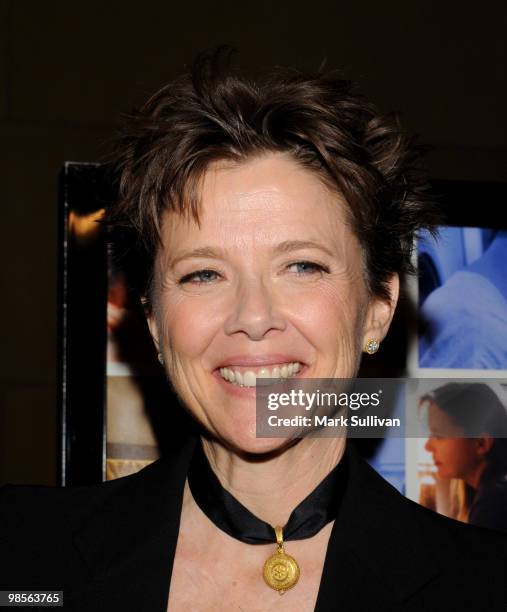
{"x":454,"y":456}
{"x":273,"y":276}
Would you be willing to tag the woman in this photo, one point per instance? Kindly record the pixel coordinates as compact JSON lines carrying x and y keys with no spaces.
{"x":468,"y":441}
{"x":266,"y":224}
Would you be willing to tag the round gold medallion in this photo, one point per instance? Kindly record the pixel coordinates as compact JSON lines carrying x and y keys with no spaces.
{"x":281,"y":572}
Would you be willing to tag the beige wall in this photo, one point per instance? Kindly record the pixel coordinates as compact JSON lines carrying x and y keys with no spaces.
{"x":67,"y":69}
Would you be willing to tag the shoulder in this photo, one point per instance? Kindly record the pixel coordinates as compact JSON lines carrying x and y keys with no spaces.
{"x":433,"y":532}
{"x":457,"y":531}
{"x":458,"y":538}
{"x":489,"y":508}
{"x":40,"y":526}
{"x":411,"y":557}
{"x":449,"y":310}
{"x":459,"y":285}
{"x":45,"y":505}
{"x":471,"y":562}
{"x":72,"y":504}
{"x":467,"y":558}
{"x":36,"y":528}
{"x":453,"y":298}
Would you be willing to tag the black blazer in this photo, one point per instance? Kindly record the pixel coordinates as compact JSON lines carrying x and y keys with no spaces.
{"x":111,"y":546}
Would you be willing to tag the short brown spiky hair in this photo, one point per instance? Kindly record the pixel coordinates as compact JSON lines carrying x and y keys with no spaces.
{"x":214,"y":113}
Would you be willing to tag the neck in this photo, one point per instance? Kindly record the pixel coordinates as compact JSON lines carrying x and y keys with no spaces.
{"x":474,"y":478}
{"x":272,"y":486}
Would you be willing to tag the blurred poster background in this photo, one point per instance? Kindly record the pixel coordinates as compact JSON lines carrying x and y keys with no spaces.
{"x":131,"y":441}
{"x":463,"y":299}
{"x":461,"y":295}
{"x":119,"y":412}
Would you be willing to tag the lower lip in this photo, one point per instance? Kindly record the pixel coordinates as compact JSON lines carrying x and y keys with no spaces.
{"x":253,"y":392}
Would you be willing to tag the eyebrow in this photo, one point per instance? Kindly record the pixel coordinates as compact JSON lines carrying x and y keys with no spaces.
{"x":287,"y":246}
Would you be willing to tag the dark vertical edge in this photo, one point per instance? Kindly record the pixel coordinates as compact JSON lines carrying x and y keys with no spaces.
{"x":82,"y":341}
{"x":62,"y":295}
{"x":104,"y":353}
{"x":105,"y":273}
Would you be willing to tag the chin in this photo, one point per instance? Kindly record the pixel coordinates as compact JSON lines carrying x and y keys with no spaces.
{"x":247,"y":442}
{"x":442,"y":473}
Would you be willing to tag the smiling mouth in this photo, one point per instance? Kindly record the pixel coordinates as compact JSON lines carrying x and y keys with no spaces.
{"x":243,"y":377}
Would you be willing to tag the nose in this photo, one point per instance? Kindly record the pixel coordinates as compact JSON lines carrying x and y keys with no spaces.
{"x":429,"y":445}
{"x":254,"y":311}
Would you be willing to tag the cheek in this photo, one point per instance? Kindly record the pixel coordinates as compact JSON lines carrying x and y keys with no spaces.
{"x":452,"y":449}
{"x":327,"y":314}
{"x":186,"y":327}
{"x":455,"y":455}
{"x":465,"y":454}
{"x":330,"y":319}
{"x":334,"y":310}
{"x":339,"y":311}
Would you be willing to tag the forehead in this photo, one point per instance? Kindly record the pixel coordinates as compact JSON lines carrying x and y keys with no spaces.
{"x":260,"y":202}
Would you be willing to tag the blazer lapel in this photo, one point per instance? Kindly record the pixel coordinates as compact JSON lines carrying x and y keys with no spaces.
{"x":130,"y":542}
{"x":376,"y":556}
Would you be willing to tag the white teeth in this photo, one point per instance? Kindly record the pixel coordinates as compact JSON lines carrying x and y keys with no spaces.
{"x":264,"y":373}
{"x":248,"y":378}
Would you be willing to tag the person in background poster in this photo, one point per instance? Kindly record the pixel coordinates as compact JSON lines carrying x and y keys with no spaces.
{"x":456,"y":410}
{"x":464,"y":322}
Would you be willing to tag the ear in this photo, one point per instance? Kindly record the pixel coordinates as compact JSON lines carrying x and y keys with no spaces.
{"x":380,"y":312}
{"x":484,"y":444}
{"x":152,"y":322}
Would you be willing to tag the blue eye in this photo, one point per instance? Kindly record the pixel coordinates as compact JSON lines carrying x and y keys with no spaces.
{"x":200,"y":273}
{"x":310,"y":267}
{"x":204,"y":277}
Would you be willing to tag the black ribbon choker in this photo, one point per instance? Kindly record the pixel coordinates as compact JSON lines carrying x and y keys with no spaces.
{"x":228,"y":514}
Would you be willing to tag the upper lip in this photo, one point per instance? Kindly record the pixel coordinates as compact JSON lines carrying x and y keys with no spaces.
{"x":258,"y":360}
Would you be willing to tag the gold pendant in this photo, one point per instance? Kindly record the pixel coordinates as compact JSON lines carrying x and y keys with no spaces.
{"x":281,"y":571}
